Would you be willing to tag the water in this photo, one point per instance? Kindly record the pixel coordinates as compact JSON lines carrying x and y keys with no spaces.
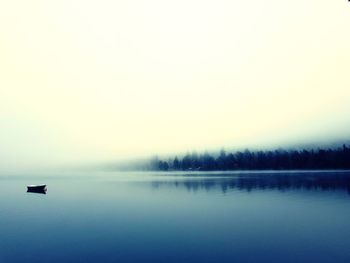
{"x":166,"y":217}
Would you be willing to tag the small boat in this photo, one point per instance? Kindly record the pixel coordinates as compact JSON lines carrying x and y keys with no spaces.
{"x":39,"y":188}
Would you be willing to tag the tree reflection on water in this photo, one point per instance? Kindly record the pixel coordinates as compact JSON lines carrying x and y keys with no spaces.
{"x":329,"y":181}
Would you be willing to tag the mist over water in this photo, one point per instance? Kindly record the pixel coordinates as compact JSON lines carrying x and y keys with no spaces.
{"x":124,"y":80}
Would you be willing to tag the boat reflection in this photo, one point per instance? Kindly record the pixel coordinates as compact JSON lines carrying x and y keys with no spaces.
{"x":37,"y":191}
{"x":330,"y":181}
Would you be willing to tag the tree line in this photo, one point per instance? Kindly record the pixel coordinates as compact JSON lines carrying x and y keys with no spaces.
{"x":280,"y":159}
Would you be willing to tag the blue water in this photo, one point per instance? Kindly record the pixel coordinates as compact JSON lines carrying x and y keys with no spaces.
{"x":174,"y":217}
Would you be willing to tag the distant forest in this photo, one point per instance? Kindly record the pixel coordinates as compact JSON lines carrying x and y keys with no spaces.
{"x":257,"y":160}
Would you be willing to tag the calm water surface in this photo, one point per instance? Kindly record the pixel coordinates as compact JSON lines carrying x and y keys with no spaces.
{"x":167,"y":217}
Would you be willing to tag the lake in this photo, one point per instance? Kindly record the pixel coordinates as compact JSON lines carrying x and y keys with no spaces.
{"x":176,"y":217}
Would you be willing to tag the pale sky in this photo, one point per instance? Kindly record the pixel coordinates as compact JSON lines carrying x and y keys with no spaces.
{"x":97,"y":80}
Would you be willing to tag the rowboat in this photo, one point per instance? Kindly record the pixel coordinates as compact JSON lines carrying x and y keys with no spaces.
{"x":38,"y":188}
